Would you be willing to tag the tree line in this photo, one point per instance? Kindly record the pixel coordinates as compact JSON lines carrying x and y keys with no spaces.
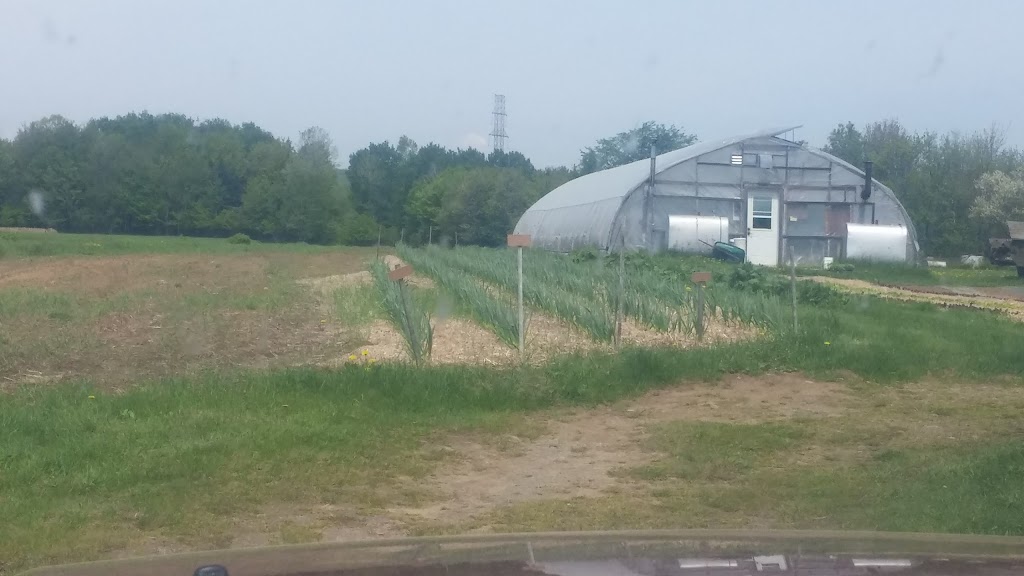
{"x":959,"y":189}
{"x":169,"y":174}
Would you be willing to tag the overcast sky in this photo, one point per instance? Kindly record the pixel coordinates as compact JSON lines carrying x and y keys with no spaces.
{"x":572,"y":71}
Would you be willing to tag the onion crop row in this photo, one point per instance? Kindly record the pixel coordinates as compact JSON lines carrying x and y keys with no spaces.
{"x":581,"y":308}
{"x":412,"y":321}
{"x":557,"y":272}
{"x":500,"y":317}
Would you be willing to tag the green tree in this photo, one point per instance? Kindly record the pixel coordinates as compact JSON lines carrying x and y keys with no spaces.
{"x":934,"y":176}
{"x":169,"y":174}
{"x":480,"y":204}
{"x":1000,"y":198}
{"x":378,"y":186}
{"x":14,"y":210}
{"x":846,"y":142}
{"x":49,"y":153}
{"x":632,"y":145}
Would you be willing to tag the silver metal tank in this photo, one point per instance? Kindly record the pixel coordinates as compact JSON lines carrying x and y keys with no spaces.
{"x":696,"y":234}
{"x":875,"y":242}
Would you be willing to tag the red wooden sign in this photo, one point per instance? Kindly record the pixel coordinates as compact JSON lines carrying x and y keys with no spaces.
{"x":519,"y":240}
{"x":400,"y":272}
{"x":700,"y":277}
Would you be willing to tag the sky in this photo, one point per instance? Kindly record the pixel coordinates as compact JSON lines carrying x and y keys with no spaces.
{"x":571,"y":71}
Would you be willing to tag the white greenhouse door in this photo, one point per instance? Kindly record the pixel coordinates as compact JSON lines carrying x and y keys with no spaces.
{"x":763,"y":229}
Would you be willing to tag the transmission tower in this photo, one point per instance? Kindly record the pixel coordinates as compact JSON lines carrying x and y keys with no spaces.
{"x":498,"y":134}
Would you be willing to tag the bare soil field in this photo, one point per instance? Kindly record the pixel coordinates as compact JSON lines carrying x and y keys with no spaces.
{"x":116,"y":320}
{"x":119,"y":320}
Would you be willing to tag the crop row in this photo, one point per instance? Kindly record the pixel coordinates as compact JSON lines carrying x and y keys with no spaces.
{"x":483,"y":306}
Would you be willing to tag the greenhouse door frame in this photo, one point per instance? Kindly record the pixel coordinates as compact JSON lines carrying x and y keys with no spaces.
{"x":763,"y":226}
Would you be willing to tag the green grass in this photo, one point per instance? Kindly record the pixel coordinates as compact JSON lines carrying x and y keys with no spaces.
{"x":971,"y":488}
{"x":60,"y":306}
{"x":725,"y":482}
{"x":905,"y":275}
{"x":714,"y":451}
{"x":357,"y":305}
{"x":32,"y":244}
{"x":180,"y":458}
{"x":58,"y":316}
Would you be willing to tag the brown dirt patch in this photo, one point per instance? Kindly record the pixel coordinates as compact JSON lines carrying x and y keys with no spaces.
{"x":158,"y":315}
{"x":456,"y":341}
{"x":109,"y":276}
{"x":578,"y":454}
{"x":716,"y":331}
{"x":580,"y":451}
{"x":326,"y":285}
{"x":340,"y":262}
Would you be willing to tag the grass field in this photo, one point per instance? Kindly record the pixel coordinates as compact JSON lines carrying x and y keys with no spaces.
{"x":875,"y":415}
{"x":32,"y":245}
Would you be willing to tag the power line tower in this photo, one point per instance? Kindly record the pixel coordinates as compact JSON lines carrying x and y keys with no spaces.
{"x":498,"y":134}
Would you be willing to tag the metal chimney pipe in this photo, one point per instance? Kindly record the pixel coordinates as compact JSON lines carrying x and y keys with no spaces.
{"x":868,"y":169}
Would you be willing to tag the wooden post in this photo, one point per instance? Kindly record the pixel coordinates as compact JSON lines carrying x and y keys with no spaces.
{"x":456,"y":238}
{"x":430,"y":234}
{"x":700,"y":312}
{"x":378,"y":241}
{"x":401,"y":239}
{"x":522,"y":335}
{"x":520,"y":241}
{"x":700,"y":279}
{"x":792,"y":285}
{"x":620,"y":297}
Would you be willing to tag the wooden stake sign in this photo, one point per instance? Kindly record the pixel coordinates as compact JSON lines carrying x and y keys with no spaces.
{"x":399,"y":273}
{"x":520,"y":241}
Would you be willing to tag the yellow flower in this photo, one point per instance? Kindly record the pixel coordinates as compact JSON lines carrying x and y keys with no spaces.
{"x":827,"y":343}
{"x":366,"y":352}
{"x":91,"y":397}
{"x":372,"y":360}
{"x":352,"y":357}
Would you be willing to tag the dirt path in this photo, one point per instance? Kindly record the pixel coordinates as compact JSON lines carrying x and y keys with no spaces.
{"x":561,"y":455}
{"x":1011,"y":307}
{"x":578,"y":454}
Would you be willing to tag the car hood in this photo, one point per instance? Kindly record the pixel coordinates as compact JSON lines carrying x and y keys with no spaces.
{"x":611,"y":553}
